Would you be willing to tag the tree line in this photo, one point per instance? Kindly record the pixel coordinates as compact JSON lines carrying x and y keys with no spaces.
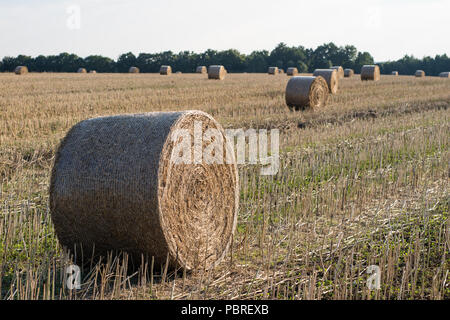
{"x":283,"y":56}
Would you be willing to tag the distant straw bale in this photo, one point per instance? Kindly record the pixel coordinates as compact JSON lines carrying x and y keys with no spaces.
{"x":303,"y":92}
{"x":340,"y":71}
{"x":217,"y":72}
{"x":330,"y":76}
{"x":21,"y":70}
{"x":273,"y":70}
{"x":201,"y":69}
{"x":133,"y":70}
{"x":348,"y":73}
{"x":165,"y":70}
{"x":292,"y":71}
{"x":420,"y":74}
{"x":370,"y":72}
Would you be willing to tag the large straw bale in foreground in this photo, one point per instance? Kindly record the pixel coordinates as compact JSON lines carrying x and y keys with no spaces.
{"x":306,"y":92}
{"x":133,"y":70}
{"x":348,"y":73}
{"x":330,"y":76}
{"x":217,"y":72}
{"x":21,"y":70}
{"x":370,"y":72}
{"x":201,"y":69}
{"x":115,"y":186}
{"x":165,"y":70}
{"x":292,"y":71}
{"x":273,"y":70}
{"x":339,"y":70}
{"x":444,"y":74}
{"x":420,"y":73}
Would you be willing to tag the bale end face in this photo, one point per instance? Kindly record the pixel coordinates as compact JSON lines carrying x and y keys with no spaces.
{"x":306,"y":92}
{"x":116,"y":185}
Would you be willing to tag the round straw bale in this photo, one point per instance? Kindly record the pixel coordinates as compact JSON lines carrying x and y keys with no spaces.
{"x":115,"y":186}
{"x":165,"y":70}
{"x":370,"y":72}
{"x":420,"y":73}
{"x":217,"y":72}
{"x":306,"y":92}
{"x":444,"y":74}
{"x":330,"y":76}
{"x":339,"y":70}
{"x":82,"y":70}
{"x":292,"y":71}
{"x":21,"y":70}
{"x":394,"y":73}
{"x":281,"y":71}
{"x":133,"y":70}
{"x":273,"y":70}
{"x":348,"y":73}
{"x":92,"y":71}
{"x":201,"y":69}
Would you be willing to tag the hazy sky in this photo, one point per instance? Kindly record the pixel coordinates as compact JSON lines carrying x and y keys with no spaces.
{"x":388,"y":29}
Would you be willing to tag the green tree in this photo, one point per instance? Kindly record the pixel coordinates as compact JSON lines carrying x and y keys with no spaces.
{"x":126,"y":61}
{"x":99,"y":63}
{"x":362,"y":59}
{"x":257,"y":61}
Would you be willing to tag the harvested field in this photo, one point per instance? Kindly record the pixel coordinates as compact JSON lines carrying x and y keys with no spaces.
{"x":363,"y":181}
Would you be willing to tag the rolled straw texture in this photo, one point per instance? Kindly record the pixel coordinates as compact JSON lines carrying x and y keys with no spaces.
{"x":114,"y":188}
{"x":306,"y":92}
{"x":330,"y":76}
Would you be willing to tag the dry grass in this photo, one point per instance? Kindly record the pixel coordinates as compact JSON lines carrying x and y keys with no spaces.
{"x":363,"y":181}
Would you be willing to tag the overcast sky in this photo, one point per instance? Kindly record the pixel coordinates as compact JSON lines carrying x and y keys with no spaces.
{"x":388,"y":29}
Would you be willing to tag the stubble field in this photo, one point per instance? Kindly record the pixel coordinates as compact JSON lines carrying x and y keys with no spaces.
{"x":363,"y":181}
